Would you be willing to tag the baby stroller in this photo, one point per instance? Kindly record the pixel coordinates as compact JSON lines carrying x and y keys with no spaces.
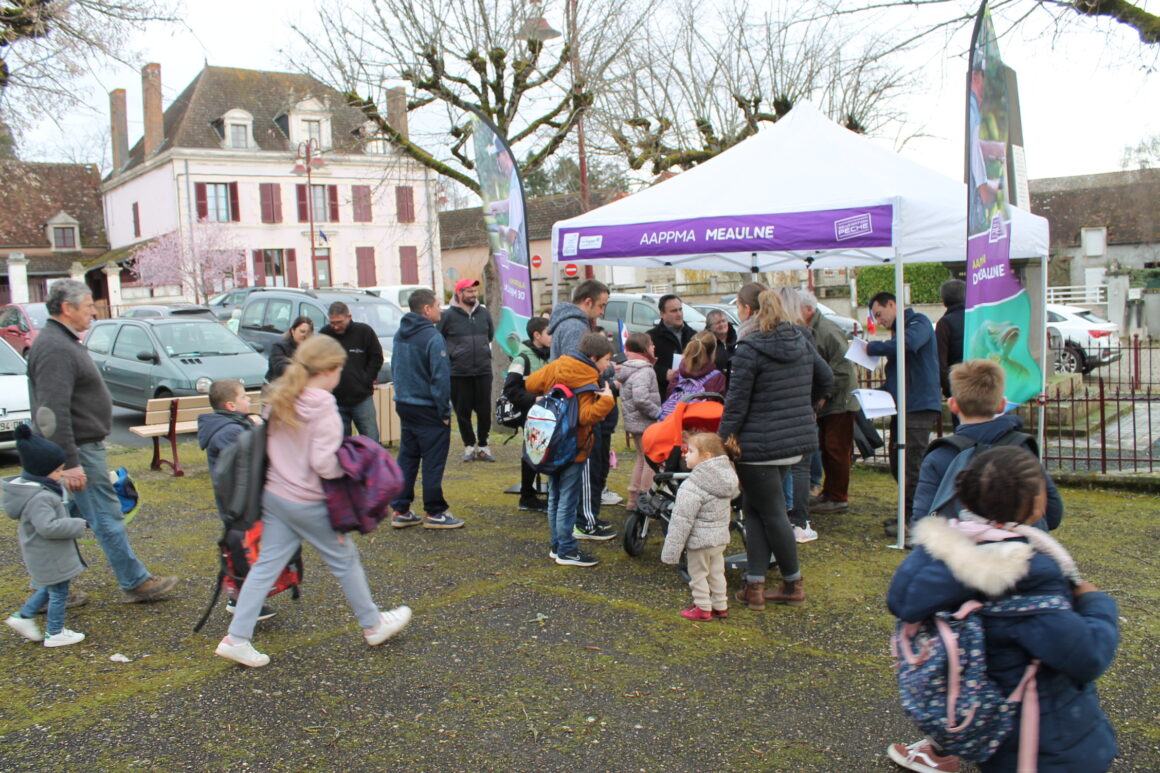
{"x":661,"y":445}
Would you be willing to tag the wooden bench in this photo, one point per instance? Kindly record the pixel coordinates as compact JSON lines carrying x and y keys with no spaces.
{"x":168,"y":417}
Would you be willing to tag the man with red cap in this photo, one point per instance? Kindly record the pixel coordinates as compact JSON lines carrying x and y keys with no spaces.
{"x":467,"y":327}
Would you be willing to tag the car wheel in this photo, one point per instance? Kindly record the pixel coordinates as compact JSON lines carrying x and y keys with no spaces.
{"x":1070,"y":360}
{"x":163,"y":394}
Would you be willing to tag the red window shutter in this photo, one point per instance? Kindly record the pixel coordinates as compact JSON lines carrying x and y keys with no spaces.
{"x":365,"y":261}
{"x":259,"y":269}
{"x":202,"y":202}
{"x":362,"y":203}
{"x":235,"y":214}
{"x":405,"y":204}
{"x":332,"y":199}
{"x":291,"y":268}
{"x":136,"y":219}
{"x":276,"y":202}
{"x":409,"y":265}
{"x":268,"y":195}
{"x":303,"y":211}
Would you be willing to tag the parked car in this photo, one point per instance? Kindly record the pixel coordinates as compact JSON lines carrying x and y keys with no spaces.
{"x":20,"y":322}
{"x":1088,"y":341}
{"x":14,"y":402}
{"x":729,"y":309}
{"x":640,"y":313}
{"x":849,"y":325}
{"x":266,"y":315}
{"x":140,"y":359}
{"x":397,"y":294}
{"x":223,"y":304}
{"x":183,"y":310}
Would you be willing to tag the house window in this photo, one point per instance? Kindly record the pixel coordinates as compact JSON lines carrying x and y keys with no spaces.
{"x":239,"y":135}
{"x":136,"y":220}
{"x":322,"y":268}
{"x":361,"y":199}
{"x":64,"y":237}
{"x":324,"y":201}
{"x":365,"y":264}
{"x":270,"y":196}
{"x":217,"y":202}
{"x":409,"y":265}
{"x":274,"y":268}
{"x":312,"y":127}
{"x":405,"y":203}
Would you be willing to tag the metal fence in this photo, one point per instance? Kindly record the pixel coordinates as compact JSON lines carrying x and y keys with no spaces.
{"x":1105,"y":421}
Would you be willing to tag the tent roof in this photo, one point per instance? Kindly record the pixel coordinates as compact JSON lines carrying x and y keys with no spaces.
{"x":804,"y":192}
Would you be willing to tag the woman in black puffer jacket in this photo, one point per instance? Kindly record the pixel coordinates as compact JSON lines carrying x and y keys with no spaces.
{"x":282,"y":350}
{"x":777,"y":378}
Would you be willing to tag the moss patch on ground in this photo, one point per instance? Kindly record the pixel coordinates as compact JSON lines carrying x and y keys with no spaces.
{"x":514,"y":663}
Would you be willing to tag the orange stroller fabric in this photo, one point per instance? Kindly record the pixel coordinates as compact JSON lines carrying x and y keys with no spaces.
{"x":661,"y":438}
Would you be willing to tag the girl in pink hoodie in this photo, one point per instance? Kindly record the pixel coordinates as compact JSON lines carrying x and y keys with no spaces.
{"x":302,"y":442}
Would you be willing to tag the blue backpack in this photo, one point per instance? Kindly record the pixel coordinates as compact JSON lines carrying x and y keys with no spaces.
{"x":944,"y":685}
{"x":945,"y":501}
{"x":550,"y":437}
{"x":126,"y":490}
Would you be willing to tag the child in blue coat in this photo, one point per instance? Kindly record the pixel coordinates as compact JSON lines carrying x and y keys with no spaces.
{"x":989,"y":552}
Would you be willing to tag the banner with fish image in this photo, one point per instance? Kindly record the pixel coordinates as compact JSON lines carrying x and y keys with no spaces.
{"x":998,"y":308}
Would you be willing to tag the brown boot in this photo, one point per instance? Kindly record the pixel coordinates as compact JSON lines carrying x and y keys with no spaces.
{"x":789,"y":592}
{"x":752,"y":595}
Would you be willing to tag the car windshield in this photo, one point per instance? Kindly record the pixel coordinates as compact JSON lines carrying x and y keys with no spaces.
{"x":383,"y":317}
{"x":37,"y":313}
{"x":11,"y":363}
{"x":693,"y":317}
{"x":1087,"y":316}
{"x":199,"y":339}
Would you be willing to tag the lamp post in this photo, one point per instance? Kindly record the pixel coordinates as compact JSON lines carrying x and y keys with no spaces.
{"x":308,"y":159}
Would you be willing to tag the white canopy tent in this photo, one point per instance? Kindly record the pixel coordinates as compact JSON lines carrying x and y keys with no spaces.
{"x":804,"y":193}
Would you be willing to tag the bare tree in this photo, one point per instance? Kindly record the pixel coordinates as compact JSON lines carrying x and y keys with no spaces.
{"x":456,"y":56}
{"x":47,"y":45}
{"x":709,"y":76}
{"x":1144,"y":155}
{"x":205,"y":262}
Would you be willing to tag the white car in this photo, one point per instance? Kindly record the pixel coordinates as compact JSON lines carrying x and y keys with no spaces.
{"x":1088,"y":341}
{"x":14,"y":403}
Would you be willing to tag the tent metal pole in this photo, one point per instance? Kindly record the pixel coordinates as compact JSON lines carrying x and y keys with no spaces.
{"x":555,"y":282}
{"x":1041,"y":429}
{"x":900,"y":386}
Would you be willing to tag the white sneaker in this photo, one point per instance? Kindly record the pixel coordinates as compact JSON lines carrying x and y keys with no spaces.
{"x":804,"y":535}
{"x":64,"y":638}
{"x":609,"y":498}
{"x":243,"y":653}
{"x":391,"y":623}
{"x":469,"y":454}
{"x":26,"y":627}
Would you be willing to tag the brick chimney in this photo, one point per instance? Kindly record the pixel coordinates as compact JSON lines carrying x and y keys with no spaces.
{"x":119,"y":125}
{"x":151,"y":101}
{"x":397,"y":110}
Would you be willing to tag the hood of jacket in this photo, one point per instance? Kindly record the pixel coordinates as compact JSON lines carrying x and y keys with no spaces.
{"x":992,"y":568}
{"x":575,"y":370}
{"x":314,"y":402}
{"x":564,"y":311}
{"x":17,"y":493}
{"x":209,"y":424}
{"x":989,"y":431}
{"x":716,"y":476}
{"x":705,"y":370}
{"x":412,"y":324}
{"x":785,"y":343}
{"x":541,"y":353}
{"x":628,"y":367}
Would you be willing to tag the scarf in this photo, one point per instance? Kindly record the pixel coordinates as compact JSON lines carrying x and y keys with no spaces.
{"x":48,"y":483}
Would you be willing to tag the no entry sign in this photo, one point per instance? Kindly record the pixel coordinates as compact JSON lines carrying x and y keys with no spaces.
{"x":537,"y":261}
{"x":571,"y":269}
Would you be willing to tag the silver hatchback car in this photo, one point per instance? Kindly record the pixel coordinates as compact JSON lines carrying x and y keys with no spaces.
{"x":140,"y":359}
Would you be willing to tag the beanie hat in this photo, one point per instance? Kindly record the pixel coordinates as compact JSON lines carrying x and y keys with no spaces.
{"x":38,"y":456}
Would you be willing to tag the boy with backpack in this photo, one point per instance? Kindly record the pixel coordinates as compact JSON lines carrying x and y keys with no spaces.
{"x":215,"y":432}
{"x":534,"y":354}
{"x":977,"y":398}
{"x":587,"y":404}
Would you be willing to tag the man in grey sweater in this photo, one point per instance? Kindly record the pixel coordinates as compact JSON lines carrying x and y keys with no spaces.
{"x":71,"y":406}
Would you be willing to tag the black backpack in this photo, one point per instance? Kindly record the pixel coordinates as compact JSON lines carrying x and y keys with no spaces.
{"x":946,"y":499}
{"x":507,"y":406}
{"x":239,"y":476}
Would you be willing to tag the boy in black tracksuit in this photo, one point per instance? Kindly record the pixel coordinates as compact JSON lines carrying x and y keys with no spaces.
{"x":534,"y":354}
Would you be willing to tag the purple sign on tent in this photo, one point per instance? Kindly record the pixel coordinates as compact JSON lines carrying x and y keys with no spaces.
{"x":819,"y":230}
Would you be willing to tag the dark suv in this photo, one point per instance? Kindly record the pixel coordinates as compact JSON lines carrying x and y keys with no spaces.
{"x":268,"y":312}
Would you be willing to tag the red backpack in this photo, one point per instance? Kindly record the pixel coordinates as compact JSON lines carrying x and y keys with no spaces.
{"x":238,"y":550}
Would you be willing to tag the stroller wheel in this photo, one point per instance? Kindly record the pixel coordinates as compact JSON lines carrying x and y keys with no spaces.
{"x":635,"y":529}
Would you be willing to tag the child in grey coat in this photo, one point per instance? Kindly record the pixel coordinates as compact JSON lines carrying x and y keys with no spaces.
{"x":47,"y":538}
{"x":700,"y":523}
{"x":640,"y":402}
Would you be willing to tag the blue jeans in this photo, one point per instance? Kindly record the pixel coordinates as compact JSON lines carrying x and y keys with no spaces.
{"x":563,"y":496}
{"x":426,"y":439}
{"x":57,"y":597}
{"x":99,"y":506}
{"x":366,"y":421}
{"x":816,"y":469}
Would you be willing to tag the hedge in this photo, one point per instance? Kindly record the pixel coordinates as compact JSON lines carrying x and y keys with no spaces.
{"x":924,"y":280}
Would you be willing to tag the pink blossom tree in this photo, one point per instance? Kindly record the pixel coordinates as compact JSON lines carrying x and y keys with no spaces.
{"x":208,"y":262}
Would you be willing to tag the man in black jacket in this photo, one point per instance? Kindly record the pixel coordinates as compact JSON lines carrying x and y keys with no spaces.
{"x":467,"y":327}
{"x":948,"y":332}
{"x":669,"y":337}
{"x":364,"y":357}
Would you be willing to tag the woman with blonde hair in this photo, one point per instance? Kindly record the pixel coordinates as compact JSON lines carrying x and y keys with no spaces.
{"x":696,"y":373}
{"x":777,"y":378}
{"x":303,"y":437}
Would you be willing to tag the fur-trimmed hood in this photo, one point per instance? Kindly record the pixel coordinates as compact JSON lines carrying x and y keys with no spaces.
{"x":992,"y":568}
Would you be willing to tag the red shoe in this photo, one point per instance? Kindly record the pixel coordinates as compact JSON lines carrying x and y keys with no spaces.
{"x":720,"y":614}
{"x":697,"y":614}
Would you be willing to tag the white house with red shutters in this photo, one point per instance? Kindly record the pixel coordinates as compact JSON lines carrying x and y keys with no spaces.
{"x":230,"y":149}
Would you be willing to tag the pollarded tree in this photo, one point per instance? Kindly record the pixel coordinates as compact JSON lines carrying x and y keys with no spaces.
{"x":203,"y":263}
{"x":486,"y":55}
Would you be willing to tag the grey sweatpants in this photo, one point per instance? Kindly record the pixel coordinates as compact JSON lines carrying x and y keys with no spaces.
{"x":285,"y":525}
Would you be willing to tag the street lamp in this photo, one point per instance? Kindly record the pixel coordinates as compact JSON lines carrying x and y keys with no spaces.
{"x":307,"y":160}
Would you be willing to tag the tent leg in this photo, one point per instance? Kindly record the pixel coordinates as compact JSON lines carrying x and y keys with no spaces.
{"x":900,"y":398}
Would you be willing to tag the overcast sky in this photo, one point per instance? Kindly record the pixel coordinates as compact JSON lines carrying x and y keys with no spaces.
{"x":1085,"y":94}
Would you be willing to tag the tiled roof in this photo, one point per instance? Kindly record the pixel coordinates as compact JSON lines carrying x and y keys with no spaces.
{"x":265,"y":95}
{"x":34,"y":193}
{"x":1127,"y":203}
{"x":464,"y":227}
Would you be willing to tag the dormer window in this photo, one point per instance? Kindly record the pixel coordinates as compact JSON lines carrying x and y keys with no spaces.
{"x":312,"y":127}
{"x":310,"y":120}
{"x":373,"y":143}
{"x":236,"y":129}
{"x":63,"y":232}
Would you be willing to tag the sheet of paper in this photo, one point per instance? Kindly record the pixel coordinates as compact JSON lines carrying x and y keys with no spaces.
{"x":677,"y":361}
{"x":857,"y":353}
{"x":875,"y":403}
